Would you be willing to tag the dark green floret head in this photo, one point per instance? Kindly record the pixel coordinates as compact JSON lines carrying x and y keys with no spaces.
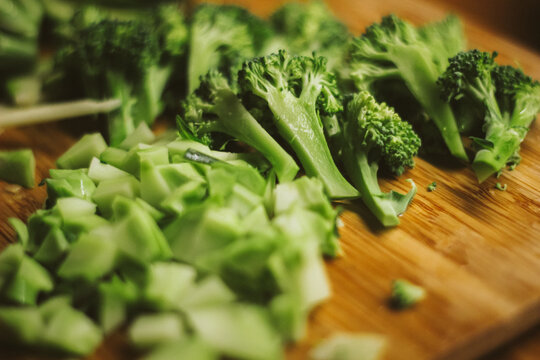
{"x":380,"y":130}
{"x":510,"y":84}
{"x":466,"y":70}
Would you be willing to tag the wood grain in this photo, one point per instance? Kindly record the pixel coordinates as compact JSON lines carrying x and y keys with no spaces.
{"x":475,"y":249}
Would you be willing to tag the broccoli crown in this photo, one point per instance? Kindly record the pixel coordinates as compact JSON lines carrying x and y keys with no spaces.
{"x":376,"y":129}
{"x":380,"y":37}
{"x":305,"y":77}
{"x":123,"y":47}
{"x":231,"y":29}
{"x":515,"y":89}
{"x":172,"y":29}
{"x":222,"y":36}
{"x":369,"y":53}
{"x":467,"y":71}
{"x":309,"y":27}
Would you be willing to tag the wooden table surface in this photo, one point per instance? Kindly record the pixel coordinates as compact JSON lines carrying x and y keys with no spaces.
{"x":475,"y":249}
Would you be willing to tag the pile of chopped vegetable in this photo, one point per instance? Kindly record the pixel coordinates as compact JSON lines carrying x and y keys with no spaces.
{"x":208,"y":241}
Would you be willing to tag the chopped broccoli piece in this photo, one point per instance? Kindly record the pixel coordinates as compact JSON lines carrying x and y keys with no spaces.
{"x":148,"y":331}
{"x":81,"y":153}
{"x":238,"y":330}
{"x":214,"y":107}
{"x":18,"y":167}
{"x":405,"y":294}
{"x":507,"y":99}
{"x":431,"y":187}
{"x":394,"y":49}
{"x":221,"y":37}
{"x":342,"y":346}
{"x":500,"y":187}
{"x":297,"y":89}
{"x":374,"y":137}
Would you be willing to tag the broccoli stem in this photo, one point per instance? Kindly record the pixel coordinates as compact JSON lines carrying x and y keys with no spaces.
{"x":364,"y":176}
{"x":299,"y":125}
{"x":242,"y":125}
{"x":506,"y":142}
{"x":420,"y":76}
{"x":53,"y":112}
{"x":202,"y":58}
{"x":149,"y":104}
{"x":121,"y":122}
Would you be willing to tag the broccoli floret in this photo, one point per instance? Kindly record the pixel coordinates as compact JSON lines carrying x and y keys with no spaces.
{"x":507,"y":99}
{"x":374,"y":137}
{"x":127,"y":60}
{"x":431,"y":187}
{"x":297,"y":89}
{"x":303,"y":28}
{"x":222,"y":37}
{"x":113,"y":59}
{"x":394,"y":49}
{"x":215,"y":108}
{"x":405,"y":294}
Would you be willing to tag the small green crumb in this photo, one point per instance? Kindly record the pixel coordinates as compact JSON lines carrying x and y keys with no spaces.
{"x":431,"y":187}
{"x":498,"y":186}
{"x":405,"y":294}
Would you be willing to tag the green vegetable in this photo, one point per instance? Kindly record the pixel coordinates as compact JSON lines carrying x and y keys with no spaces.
{"x":500,"y":187}
{"x":405,"y":294}
{"x":296,"y":90}
{"x":221,"y":37}
{"x":238,"y":330}
{"x":215,"y":108}
{"x":395,"y":50}
{"x":304,"y":28}
{"x":18,"y":167}
{"x":342,"y":346}
{"x":81,"y":153}
{"x":119,"y":59}
{"x":70,"y":331}
{"x":506,"y":99}
{"x":152,"y":330}
{"x":26,"y":281}
{"x":374,"y":137}
{"x":431,"y":187}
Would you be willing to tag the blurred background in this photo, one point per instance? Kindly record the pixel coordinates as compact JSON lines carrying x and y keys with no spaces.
{"x":517,"y":19}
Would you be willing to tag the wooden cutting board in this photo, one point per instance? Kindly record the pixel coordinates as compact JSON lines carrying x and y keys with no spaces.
{"x":475,"y":249}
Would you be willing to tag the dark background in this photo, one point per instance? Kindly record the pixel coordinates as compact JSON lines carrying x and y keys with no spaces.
{"x":517,"y":19}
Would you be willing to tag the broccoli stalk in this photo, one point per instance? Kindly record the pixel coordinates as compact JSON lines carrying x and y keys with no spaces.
{"x":222,"y":37}
{"x":214,"y":107}
{"x":375,"y":136}
{"x":297,"y":89}
{"x":394,"y":49}
{"x":509,"y":101}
